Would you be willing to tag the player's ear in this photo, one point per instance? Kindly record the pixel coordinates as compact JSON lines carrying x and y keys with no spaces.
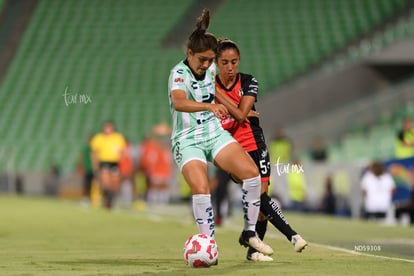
{"x":190,"y":52}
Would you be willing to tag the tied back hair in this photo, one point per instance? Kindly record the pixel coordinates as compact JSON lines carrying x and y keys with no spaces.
{"x":203,"y":21}
{"x":225,"y":44}
{"x":200,"y":40}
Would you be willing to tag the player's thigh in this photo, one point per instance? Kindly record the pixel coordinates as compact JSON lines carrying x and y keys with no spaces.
{"x":192,"y":161}
{"x":234,"y":159}
{"x":195,"y":174}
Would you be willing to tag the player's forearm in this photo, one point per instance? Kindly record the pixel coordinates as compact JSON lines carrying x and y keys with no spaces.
{"x":185,"y":105}
{"x":232,"y":107}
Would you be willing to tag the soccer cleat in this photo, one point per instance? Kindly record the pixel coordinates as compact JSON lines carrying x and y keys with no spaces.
{"x":299,"y":243}
{"x":259,"y":257}
{"x":250,"y":238}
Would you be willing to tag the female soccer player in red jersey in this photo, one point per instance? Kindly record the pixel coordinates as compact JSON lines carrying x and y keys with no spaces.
{"x":238,"y":93}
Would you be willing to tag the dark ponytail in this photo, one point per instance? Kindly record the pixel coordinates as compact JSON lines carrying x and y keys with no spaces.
{"x":200,"y":40}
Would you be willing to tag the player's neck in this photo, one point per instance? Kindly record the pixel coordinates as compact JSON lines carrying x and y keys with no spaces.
{"x":227,"y":81}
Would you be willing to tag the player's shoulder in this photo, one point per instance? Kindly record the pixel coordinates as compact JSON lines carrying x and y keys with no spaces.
{"x":180,"y":68}
{"x":247,"y":78}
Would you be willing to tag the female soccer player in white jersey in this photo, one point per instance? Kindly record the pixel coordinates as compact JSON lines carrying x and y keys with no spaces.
{"x":198,"y":137}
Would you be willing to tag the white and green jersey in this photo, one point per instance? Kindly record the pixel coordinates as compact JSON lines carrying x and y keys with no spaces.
{"x":196,"y":126}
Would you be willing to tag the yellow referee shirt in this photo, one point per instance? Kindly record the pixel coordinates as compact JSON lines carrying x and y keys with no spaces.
{"x":108,"y":148}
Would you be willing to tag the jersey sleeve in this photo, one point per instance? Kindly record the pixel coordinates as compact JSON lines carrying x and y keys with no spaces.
{"x":176,"y":81}
{"x":250,"y":86}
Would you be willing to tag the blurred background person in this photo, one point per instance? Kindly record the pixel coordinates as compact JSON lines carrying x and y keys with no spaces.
{"x":107,"y":149}
{"x":157,"y":164}
{"x":296,"y":186}
{"x":85,"y":169}
{"x":220,"y":196}
{"x":404,"y":145}
{"x":127,"y":171}
{"x":318,"y":151}
{"x":377,"y":189}
{"x":280,"y":147}
{"x":328,"y":202}
{"x":52,"y":179}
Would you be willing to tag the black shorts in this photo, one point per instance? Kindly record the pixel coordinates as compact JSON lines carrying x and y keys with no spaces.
{"x":262,"y":160}
{"x":111,"y":166}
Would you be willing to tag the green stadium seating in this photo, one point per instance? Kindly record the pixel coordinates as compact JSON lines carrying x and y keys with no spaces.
{"x":110,"y":50}
{"x":107,"y":50}
{"x":290,"y":36}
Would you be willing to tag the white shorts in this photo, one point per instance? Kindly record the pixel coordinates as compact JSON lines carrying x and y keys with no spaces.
{"x":206,"y":150}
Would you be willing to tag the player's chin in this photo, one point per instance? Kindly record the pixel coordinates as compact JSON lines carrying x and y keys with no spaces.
{"x":201,"y":71}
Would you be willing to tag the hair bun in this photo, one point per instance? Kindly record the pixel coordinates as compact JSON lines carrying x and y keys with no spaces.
{"x":203,"y":21}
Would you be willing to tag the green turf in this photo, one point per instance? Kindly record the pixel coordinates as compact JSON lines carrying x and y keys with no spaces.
{"x":48,"y":237}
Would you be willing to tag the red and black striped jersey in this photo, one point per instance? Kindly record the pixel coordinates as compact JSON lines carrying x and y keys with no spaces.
{"x":249,"y":135}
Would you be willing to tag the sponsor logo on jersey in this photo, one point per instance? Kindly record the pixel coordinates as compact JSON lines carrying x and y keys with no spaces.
{"x":206,"y":85}
{"x":208,"y":98}
{"x":226,"y":119}
{"x":179,"y":80}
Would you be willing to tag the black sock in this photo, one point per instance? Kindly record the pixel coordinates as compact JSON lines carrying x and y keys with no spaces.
{"x":274,"y":214}
{"x":261,"y":227}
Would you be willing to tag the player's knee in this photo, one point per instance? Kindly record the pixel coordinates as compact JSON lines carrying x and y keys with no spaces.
{"x":200,"y":189}
{"x":252,"y":172}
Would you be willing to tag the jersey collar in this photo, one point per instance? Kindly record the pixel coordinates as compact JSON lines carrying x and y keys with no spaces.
{"x":199,"y":78}
{"x":232,"y":86}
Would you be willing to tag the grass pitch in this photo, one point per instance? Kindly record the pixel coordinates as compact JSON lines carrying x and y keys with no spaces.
{"x":41,"y":236}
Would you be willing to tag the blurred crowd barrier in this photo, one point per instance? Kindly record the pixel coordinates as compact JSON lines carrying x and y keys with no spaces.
{"x":345,"y":179}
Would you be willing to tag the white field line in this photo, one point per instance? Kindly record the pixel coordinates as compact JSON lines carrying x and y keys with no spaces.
{"x":236,"y":228}
{"x":333,"y":248}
